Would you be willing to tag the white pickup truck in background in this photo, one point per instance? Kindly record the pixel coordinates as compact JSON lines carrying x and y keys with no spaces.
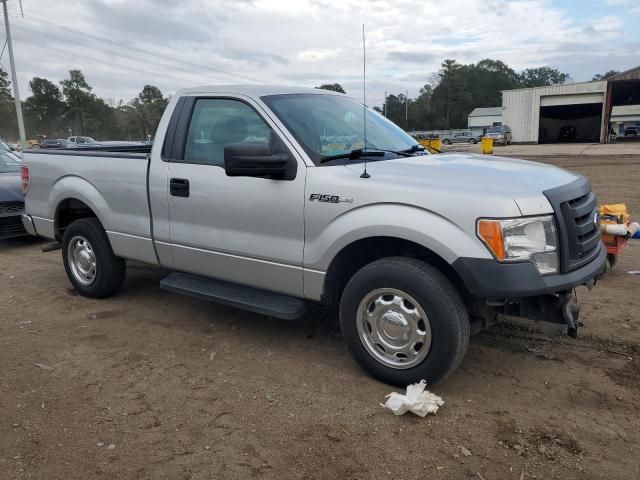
{"x":267,"y":198}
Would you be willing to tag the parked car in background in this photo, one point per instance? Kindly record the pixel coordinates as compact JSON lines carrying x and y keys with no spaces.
{"x":56,"y":143}
{"x":465,"y":136}
{"x":631,"y":132}
{"x":81,"y":140}
{"x":567,"y":133}
{"x":11,"y":197}
{"x":500,"y":134}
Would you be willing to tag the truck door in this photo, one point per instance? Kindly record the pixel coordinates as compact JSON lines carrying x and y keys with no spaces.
{"x":241,"y":229}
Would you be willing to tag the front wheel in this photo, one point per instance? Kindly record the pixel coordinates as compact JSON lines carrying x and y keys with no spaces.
{"x":472,"y":141}
{"x":92,"y":267}
{"x":404,"y":321}
{"x":446,"y":141}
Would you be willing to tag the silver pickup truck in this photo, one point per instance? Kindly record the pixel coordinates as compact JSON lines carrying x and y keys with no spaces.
{"x":267,"y":198}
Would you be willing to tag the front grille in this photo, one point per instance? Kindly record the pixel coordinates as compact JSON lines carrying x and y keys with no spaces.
{"x":576,"y":207}
{"x":9,"y":209}
{"x":11,"y":227}
{"x":10,"y":219}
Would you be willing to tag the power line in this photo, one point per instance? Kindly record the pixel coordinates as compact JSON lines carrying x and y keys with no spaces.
{"x":98,"y":60}
{"x":140,"y":50}
{"x":111,"y":52}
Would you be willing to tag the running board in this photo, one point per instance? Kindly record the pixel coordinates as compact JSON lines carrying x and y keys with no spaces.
{"x":234,"y":295}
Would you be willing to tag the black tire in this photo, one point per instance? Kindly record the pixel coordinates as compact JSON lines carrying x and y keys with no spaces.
{"x":612,"y":259}
{"x":446,"y":141}
{"x":442,"y":303}
{"x":110,"y":270}
{"x":606,"y":267}
{"x":472,"y":141}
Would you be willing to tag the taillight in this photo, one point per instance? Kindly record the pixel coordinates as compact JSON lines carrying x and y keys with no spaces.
{"x":24,"y":174}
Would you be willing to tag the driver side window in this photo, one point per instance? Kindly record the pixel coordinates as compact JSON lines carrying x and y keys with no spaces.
{"x":218,"y":122}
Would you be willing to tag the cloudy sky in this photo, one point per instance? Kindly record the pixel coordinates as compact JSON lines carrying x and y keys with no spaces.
{"x":122,"y":45}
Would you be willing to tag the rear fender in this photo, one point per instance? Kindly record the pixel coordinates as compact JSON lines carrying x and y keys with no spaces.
{"x":74,"y":187}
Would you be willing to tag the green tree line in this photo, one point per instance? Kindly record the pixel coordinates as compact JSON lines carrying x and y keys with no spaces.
{"x":71,"y":108}
{"x":457,"y":89}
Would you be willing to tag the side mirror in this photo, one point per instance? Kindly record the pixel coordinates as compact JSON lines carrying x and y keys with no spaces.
{"x":258,"y":160}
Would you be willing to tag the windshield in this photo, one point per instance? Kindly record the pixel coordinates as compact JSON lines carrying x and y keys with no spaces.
{"x":327,"y":125}
{"x":496,"y":130}
{"x":9,"y":163}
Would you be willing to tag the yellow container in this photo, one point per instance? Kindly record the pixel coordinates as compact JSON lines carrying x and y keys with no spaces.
{"x":612,"y":214}
{"x":434,"y":145}
{"x":487,"y":145}
{"x":618,"y":210}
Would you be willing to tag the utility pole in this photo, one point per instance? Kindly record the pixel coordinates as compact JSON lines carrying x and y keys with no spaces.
{"x":384,"y":107}
{"x":406,"y":109}
{"x":14,"y":79}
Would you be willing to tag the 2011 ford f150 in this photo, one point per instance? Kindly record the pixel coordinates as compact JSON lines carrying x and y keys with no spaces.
{"x":267,"y":198}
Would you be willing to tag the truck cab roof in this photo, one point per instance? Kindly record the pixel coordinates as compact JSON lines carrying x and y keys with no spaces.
{"x":254,"y":90}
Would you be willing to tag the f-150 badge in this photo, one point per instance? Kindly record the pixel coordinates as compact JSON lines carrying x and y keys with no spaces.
{"x":323,"y":197}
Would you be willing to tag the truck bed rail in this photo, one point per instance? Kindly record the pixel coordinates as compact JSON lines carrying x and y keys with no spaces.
{"x":117,"y":151}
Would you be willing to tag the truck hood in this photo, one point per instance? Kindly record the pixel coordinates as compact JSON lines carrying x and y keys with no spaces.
{"x":10,"y":188}
{"x":521,"y":180}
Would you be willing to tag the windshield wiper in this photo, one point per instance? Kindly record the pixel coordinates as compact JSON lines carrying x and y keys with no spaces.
{"x":413,"y":149}
{"x":373,"y":152}
{"x":354,"y":155}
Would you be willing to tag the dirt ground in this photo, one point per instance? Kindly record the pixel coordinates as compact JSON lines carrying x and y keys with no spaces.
{"x":152,"y":385}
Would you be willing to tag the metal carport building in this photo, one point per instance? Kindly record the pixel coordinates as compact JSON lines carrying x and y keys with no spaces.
{"x":547,"y":114}
{"x":574,"y":112}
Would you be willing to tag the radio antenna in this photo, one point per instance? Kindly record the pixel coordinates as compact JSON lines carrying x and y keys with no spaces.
{"x":364,"y":100}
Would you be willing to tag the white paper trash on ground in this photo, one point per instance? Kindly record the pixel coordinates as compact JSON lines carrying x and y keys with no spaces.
{"x":416,"y":400}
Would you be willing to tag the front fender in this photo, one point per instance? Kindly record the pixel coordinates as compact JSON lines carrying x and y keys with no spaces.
{"x":407,"y":222}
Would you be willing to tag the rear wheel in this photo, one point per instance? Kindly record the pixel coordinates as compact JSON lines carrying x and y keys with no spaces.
{"x":92,"y":267}
{"x":472,"y":141}
{"x":446,"y":141}
{"x":404,"y":321}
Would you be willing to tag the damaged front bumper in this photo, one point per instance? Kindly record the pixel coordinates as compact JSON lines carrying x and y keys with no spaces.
{"x":561,"y":309}
{"x":519,"y":290}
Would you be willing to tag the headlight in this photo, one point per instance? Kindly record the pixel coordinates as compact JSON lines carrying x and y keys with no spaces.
{"x":532,"y":239}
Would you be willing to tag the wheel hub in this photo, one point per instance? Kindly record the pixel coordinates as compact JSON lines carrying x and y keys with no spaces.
{"x":82,"y":260}
{"x":393,"y":328}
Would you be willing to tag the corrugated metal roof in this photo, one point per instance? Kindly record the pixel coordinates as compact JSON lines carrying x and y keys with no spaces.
{"x":486,"y":112}
{"x":631,"y":74}
{"x":570,"y":87}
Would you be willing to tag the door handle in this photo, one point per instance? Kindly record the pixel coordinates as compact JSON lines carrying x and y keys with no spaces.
{"x":179,"y":187}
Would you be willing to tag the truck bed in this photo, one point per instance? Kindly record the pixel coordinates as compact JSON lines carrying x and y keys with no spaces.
{"x":112,"y":183}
